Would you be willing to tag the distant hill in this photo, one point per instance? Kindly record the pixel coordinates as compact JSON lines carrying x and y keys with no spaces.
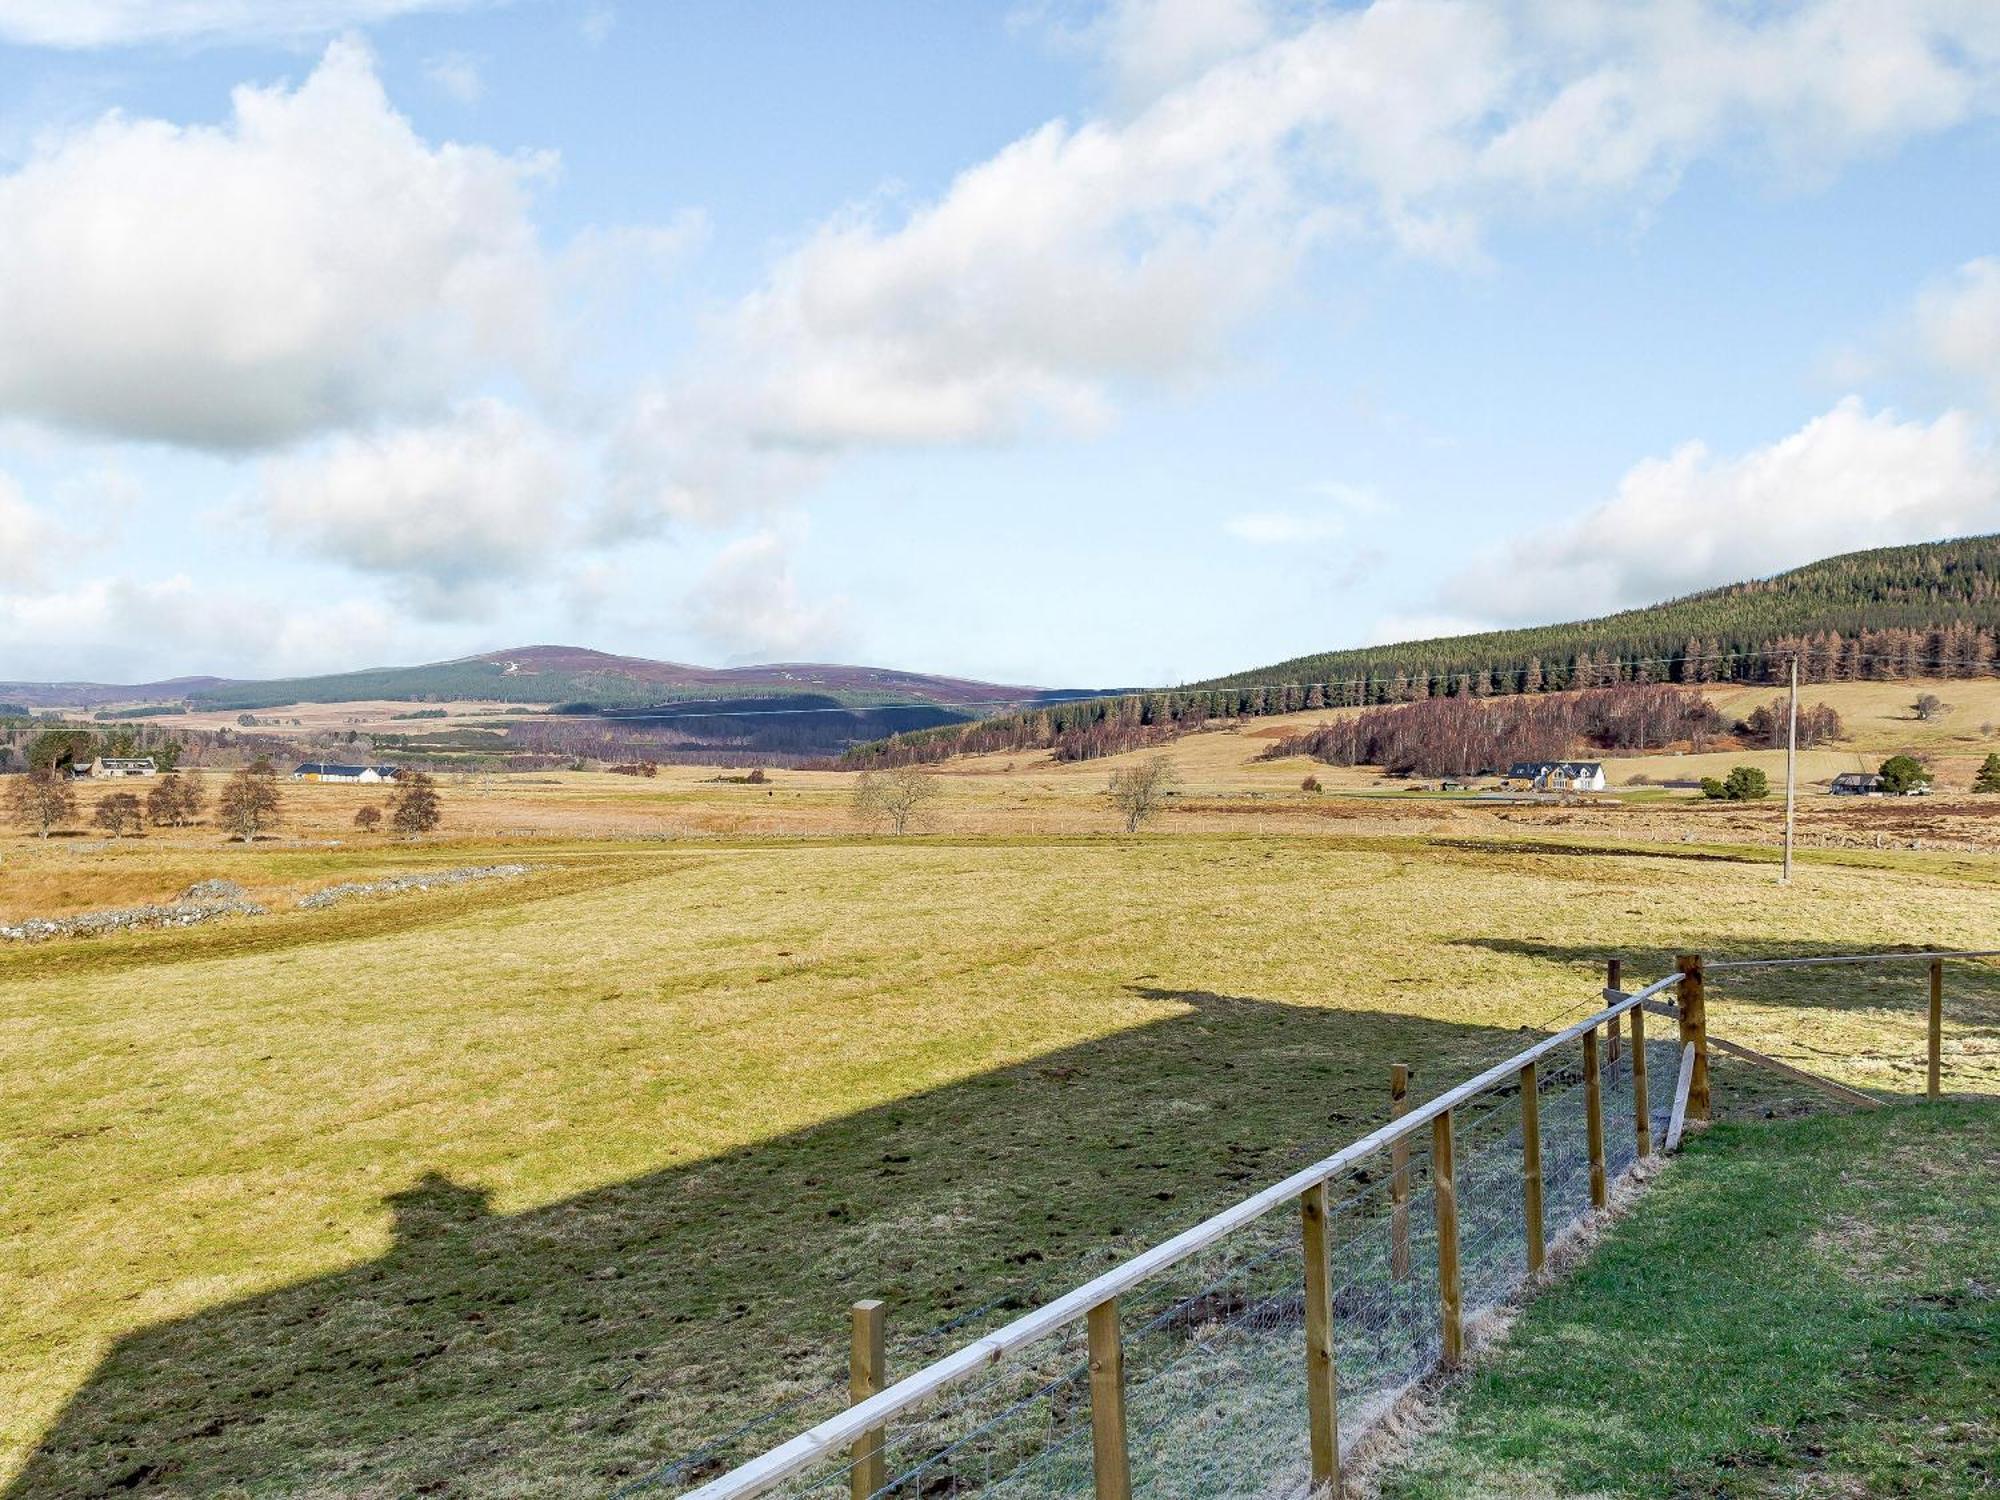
{"x":538,"y":675}
{"x":1928,"y":610}
{"x":1912,"y":605}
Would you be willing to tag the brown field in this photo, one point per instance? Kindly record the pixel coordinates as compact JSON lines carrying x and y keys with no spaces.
{"x":522,"y":1186}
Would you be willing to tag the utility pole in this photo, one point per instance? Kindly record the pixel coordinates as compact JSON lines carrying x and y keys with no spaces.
{"x":1791,"y":773}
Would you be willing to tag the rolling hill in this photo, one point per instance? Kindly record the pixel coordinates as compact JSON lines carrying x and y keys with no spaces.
{"x":1929,"y":610}
{"x":540,"y":675}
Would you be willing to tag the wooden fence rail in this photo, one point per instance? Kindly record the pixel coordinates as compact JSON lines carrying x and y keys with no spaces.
{"x":859,"y":1430}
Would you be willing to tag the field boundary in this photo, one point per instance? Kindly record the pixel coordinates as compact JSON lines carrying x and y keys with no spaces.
{"x":858,"y":1437}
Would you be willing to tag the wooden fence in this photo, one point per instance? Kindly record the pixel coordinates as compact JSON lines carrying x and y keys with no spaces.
{"x":856,"y":1436}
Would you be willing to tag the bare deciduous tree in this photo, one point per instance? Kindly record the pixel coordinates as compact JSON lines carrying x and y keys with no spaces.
{"x":249,"y":802}
{"x":1139,"y":791}
{"x":113,"y":812}
{"x":41,"y":798}
{"x":1929,"y":706}
{"x":899,"y":797}
{"x":175,"y":801}
{"x":368,"y":819}
{"x":414,"y":807}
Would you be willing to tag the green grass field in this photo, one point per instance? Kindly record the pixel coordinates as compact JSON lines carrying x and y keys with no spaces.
{"x":1800,"y":1309}
{"x":523,"y":1188}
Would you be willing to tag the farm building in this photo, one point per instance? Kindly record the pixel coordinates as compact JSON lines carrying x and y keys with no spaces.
{"x":121,"y":765}
{"x":322,"y":770}
{"x":1856,"y":784}
{"x":1560,"y":775}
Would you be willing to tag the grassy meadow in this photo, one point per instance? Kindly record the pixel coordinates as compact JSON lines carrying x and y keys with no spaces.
{"x":525,"y":1185}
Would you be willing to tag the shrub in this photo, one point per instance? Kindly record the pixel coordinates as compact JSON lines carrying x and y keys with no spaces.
{"x":1310,"y":784}
{"x":1743,"y":784}
{"x":368,"y":819}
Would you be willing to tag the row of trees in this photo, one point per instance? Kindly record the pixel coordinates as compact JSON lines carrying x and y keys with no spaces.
{"x":44,"y":799}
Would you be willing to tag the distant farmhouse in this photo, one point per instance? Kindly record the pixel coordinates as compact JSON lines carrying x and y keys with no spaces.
{"x":1856,"y":784}
{"x":321,"y":770}
{"x":1559,"y":775}
{"x":119,"y":765}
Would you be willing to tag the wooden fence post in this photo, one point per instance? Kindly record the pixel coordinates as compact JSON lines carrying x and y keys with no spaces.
{"x":1694,"y":1030}
{"x":1614,"y":969}
{"x":1934,"y":1073}
{"x":1322,"y":1380}
{"x":1531,"y":1165}
{"x":1642,"y":1106}
{"x":1399,"y":1176}
{"x":1444,"y":1190}
{"x":1593,"y":1122}
{"x":1110,"y":1463}
{"x":867,"y":1375}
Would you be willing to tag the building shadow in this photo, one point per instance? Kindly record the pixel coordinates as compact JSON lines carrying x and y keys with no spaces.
{"x":569,"y":1348}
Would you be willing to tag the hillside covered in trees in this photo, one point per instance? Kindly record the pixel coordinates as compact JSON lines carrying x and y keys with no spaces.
{"x":1931,"y":610}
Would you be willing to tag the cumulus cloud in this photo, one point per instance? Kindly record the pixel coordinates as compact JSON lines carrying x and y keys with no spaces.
{"x":311,"y":263}
{"x":440,"y":509}
{"x":88,"y":631}
{"x":107,"y":23}
{"x":1089,"y":256}
{"x":1849,"y":479}
{"x":750,"y":607}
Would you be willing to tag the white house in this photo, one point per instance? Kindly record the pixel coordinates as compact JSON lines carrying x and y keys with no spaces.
{"x":1560,"y":775}
{"x":123,"y":765}
{"x":322,"y":770}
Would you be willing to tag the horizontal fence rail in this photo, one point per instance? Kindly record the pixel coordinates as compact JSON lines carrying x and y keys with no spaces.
{"x":1314,"y":1329}
{"x":838,"y":1433}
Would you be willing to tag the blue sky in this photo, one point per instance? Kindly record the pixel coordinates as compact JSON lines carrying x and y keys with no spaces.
{"x":1039,"y":342}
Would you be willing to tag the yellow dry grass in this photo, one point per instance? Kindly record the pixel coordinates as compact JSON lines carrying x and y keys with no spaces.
{"x":718,"y":1065}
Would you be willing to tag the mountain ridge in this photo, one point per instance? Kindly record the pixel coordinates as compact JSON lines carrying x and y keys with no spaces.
{"x":543,"y":674}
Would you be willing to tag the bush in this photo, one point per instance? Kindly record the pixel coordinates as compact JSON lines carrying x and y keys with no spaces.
{"x":1902,"y":774}
{"x":1743,"y":784}
{"x":1310,"y":784}
{"x":368,"y":819}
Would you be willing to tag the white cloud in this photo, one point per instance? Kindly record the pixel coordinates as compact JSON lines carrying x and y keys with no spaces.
{"x":441,"y":508}
{"x":458,"y":76}
{"x":750,"y":607}
{"x":1847,"y":480}
{"x":27,"y":537}
{"x":108,"y":23}
{"x":1275,"y":528}
{"x":1087,"y":257}
{"x":1958,"y":324}
{"x":310,"y":264}
{"x":125,"y":630}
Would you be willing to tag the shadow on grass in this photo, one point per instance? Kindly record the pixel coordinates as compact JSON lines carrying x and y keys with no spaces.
{"x":1972,"y":987}
{"x":569,"y":1347}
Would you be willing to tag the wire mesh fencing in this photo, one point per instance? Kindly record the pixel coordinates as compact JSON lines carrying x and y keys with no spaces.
{"x":1212,"y":1354}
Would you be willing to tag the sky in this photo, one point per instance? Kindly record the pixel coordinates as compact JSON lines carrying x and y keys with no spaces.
{"x":1036,"y":342}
